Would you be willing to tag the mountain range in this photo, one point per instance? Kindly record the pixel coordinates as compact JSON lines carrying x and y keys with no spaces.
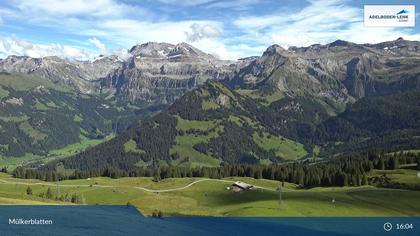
{"x":287,"y":104}
{"x":154,"y":72}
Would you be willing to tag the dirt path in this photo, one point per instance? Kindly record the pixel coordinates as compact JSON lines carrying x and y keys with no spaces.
{"x":2,"y":181}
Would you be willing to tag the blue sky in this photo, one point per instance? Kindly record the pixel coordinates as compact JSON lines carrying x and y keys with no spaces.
{"x":229,"y":29}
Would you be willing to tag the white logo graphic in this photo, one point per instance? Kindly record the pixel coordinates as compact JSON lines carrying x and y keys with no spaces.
{"x":390,"y":15}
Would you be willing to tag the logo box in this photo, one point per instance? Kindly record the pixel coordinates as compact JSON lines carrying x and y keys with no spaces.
{"x":389,"y":15}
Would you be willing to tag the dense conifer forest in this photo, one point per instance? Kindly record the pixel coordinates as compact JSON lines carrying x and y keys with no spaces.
{"x":215,"y":132}
{"x":344,"y":171}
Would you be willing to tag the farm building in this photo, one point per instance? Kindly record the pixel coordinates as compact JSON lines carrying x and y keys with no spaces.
{"x":240,"y":186}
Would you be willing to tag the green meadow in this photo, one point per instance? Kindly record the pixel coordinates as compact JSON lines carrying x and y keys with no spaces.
{"x":283,"y":147}
{"x":12,"y":162}
{"x":212,"y":198}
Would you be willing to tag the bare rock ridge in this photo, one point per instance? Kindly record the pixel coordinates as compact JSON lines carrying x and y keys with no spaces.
{"x":294,"y":89}
{"x":154,"y":72}
{"x":160,"y":72}
{"x":340,"y":71}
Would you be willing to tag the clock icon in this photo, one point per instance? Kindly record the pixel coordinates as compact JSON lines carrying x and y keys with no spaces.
{"x":387,"y":226}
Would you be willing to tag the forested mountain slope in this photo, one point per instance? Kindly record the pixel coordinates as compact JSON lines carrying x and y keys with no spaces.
{"x":383,"y":122}
{"x":37,"y":116}
{"x":214,"y":126}
{"x":206,"y":127}
{"x":284,"y":105}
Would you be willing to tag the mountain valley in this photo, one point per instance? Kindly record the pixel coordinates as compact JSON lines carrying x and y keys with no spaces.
{"x":175,"y":105}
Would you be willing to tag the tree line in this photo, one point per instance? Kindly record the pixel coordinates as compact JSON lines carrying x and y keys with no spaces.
{"x":345,"y":171}
{"x":74,"y":198}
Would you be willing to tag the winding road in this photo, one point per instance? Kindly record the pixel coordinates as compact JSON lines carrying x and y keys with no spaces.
{"x":3,"y":181}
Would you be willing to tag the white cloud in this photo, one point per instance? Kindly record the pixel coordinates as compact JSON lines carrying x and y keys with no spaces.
{"x":19,"y":47}
{"x":185,"y":2}
{"x":231,"y":4}
{"x":225,"y":51}
{"x":319,"y":22}
{"x":122,"y":29}
{"x":215,"y":48}
{"x":202,"y":31}
{"x":122,"y":25}
{"x":234,"y":4}
{"x":122,"y":53}
{"x":99,"y":45}
{"x":65,"y":8}
{"x":130,"y":32}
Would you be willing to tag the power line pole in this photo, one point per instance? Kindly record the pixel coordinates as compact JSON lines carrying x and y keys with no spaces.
{"x":58,"y":190}
{"x":280,"y":197}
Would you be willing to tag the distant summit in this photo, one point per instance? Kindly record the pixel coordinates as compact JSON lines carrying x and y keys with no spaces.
{"x":169,"y":51}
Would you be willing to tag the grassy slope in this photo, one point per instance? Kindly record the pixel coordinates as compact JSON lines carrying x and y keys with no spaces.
{"x":13,"y":162}
{"x":184,"y":144}
{"x":212,"y":198}
{"x":192,"y":157}
{"x":131,"y":146}
{"x":14,"y":118}
{"x":195,"y":124}
{"x":285,"y":148}
{"x":31,"y":132}
{"x":3,"y":93}
{"x":20,"y":82}
{"x":407,"y":177}
{"x":80,"y":146}
{"x":415,"y":151}
{"x":256,"y":94}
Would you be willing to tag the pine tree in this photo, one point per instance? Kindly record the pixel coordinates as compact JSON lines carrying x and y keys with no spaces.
{"x":418,"y":163}
{"x":364,"y":180}
{"x":345,"y":180}
{"x":155,"y":213}
{"x":394,"y":163}
{"x":381,"y":164}
{"x":301,"y":177}
{"x":156,"y":175}
{"x":29,"y":190}
{"x":74,"y":198}
{"x":357,"y":180}
{"x":49,"y":194}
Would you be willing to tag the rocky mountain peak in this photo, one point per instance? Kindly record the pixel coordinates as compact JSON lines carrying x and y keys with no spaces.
{"x":151,"y":49}
{"x":341,"y":43}
{"x":398,"y":47}
{"x":275,"y":49}
{"x":186,"y":50}
{"x":168,"y":51}
{"x":182,"y":67}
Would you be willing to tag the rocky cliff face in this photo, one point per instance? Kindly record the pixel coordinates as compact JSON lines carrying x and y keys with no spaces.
{"x":294,"y":89}
{"x":160,"y":72}
{"x":340,"y":71}
{"x":155,"y":72}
